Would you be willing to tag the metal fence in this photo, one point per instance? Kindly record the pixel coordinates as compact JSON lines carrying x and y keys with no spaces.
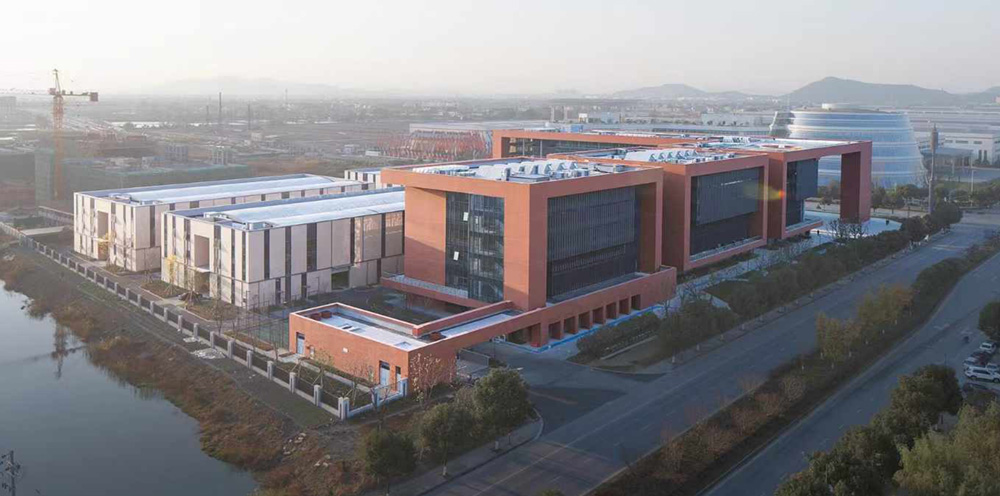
{"x":329,"y":397}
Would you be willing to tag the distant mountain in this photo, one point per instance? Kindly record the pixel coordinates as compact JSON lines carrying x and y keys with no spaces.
{"x":676,"y":91}
{"x":235,"y":86}
{"x":836,"y":90}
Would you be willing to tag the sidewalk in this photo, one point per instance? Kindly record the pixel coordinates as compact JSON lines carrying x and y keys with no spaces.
{"x":471,"y":460}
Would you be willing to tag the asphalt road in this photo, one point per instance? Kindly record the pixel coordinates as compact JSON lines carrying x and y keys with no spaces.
{"x":939,"y":341}
{"x":595,"y":439}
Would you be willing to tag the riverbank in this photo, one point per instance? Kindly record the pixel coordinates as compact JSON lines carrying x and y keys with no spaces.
{"x":285,"y":457}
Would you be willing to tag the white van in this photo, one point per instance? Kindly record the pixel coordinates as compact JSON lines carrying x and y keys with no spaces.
{"x":982,"y":373}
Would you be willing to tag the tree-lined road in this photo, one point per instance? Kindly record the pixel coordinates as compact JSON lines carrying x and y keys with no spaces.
{"x":939,"y":341}
{"x":629,"y":419}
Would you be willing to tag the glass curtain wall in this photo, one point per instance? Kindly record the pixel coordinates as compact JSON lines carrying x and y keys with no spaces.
{"x":592,"y":238}
{"x":474,"y":245}
{"x":722,"y":207}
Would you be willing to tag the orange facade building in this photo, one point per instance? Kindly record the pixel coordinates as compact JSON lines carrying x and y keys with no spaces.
{"x":537,"y":250}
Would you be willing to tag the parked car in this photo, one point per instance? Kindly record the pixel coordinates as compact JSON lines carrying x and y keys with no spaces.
{"x":976,"y":361}
{"x":989,"y":347}
{"x":975,"y":372}
{"x":981,"y":354}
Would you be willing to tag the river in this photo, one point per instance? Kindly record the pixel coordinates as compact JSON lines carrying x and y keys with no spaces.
{"x":76,"y":430}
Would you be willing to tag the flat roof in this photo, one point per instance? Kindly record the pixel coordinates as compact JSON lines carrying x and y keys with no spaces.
{"x":345,"y":319}
{"x":188,"y":192}
{"x":464,"y":126}
{"x":524,"y":170}
{"x":673,"y":155}
{"x":297,"y":211}
{"x":758,"y":144}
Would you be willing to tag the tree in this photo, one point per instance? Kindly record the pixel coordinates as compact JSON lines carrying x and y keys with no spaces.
{"x":964,"y":462}
{"x":832,"y":337}
{"x":387,"y":454}
{"x":989,"y":320}
{"x":918,"y":401}
{"x":443,"y":429}
{"x":502,"y":401}
{"x":946,"y":214}
{"x":427,"y":371}
{"x":804,"y":483}
{"x":879,"y":197}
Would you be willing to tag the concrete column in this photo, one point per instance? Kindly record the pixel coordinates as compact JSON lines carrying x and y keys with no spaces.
{"x":180,"y":322}
{"x":317,"y":394}
{"x":211,"y":339}
{"x":229,"y":348}
{"x":197,"y":329}
{"x":114,"y":288}
{"x":249,"y":359}
{"x":270,"y":370}
{"x":343,"y":406}
{"x":291,"y":382}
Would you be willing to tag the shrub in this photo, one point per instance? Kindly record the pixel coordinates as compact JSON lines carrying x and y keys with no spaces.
{"x":603,"y":340}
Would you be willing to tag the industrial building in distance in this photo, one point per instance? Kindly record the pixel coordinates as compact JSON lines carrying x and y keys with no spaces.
{"x":123,"y":226}
{"x":274,"y":252}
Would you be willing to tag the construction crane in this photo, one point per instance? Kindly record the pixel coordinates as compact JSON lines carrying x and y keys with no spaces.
{"x":59,"y":96}
{"x":58,"y":111}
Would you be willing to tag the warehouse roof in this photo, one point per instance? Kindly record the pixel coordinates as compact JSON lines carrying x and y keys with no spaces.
{"x":173,"y":193}
{"x":297,"y":211}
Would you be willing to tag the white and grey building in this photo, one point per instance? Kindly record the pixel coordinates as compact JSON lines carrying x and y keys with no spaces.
{"x":123,"y":226}
{"x":262,"y":254}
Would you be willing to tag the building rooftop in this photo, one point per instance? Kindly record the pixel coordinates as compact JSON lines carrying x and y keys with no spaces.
{"x":297,"y":211}
{"x":683,"y":156}
{"x":476,"y":126}
{"x":758,"y":144}
{"x":524,"y":170}
{"x":368,"y":325}
{"x":173,"y":193}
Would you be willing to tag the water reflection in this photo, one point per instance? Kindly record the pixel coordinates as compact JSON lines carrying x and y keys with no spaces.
{"x":78,"y":429}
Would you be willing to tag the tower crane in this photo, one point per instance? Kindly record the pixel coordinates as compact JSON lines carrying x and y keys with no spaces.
{"x":58,"y":111}
{"x":59,"y":96}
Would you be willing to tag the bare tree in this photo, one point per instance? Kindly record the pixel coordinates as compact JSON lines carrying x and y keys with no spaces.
{"x":427,"y":371}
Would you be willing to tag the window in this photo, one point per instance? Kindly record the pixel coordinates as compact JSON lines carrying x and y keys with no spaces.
{"x":284,"y":196}
{"x":152,"y":227}
{"x":339,"y":280}
{"x":187,"y":240}
{"x":195,"y":204}
{"x":267,"y":254}
{"x":592,"y":238}
{"x":311,"y":247}
{"x":288,"y":251}
{"x":243,"y":256}
{"x":474,"y":243}
{"x":232,"y":255}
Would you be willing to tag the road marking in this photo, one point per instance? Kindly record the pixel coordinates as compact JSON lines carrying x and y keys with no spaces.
{"x":552,"y":397}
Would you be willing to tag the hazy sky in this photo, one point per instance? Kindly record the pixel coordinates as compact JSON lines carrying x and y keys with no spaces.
{"x":476,"y":46}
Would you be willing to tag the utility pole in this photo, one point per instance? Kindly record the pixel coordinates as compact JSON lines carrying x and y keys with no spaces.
{"x":208,"y":118}
{"x":930,"y":190}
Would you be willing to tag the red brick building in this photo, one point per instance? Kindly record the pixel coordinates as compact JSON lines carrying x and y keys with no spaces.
{"x":535,"y":250}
